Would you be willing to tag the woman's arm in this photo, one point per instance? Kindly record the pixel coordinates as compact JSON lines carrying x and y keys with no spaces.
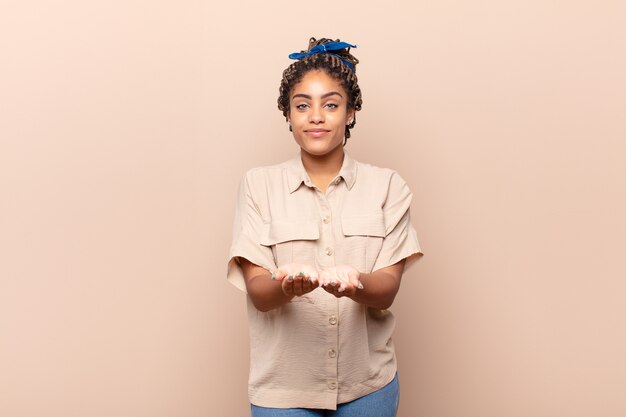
{"x":380,"y":287}
{"x":268,"y":291}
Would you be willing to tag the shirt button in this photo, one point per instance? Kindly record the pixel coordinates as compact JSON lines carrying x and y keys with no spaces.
{"x":332,"y":320}
{"x":336,"y":182}
{"x":326,"y":219}
{"x":328,"y":251}
{"x":332,"y":385}
{"x":332,"y":353}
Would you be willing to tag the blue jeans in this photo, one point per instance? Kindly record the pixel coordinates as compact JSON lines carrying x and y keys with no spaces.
{"x":381,"y":403}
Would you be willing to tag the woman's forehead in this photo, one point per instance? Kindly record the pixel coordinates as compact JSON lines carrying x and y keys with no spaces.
{"x":317,"y":83}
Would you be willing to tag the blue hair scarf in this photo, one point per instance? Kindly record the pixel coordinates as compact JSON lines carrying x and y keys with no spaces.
{"x":325,"y":48}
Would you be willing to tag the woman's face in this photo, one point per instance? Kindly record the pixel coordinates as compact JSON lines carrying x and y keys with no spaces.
{"x":318,"y":113}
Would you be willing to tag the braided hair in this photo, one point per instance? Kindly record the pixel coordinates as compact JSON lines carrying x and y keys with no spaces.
{"x":334,"y":65}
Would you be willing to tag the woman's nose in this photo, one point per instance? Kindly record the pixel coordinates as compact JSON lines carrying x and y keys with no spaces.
{"x":316,"y":115}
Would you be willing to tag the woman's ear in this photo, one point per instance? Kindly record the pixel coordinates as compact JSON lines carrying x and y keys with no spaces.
{"x":350,"y":116}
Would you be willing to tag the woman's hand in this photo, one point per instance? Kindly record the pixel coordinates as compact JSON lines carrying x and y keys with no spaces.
{"x":341,"y":281}
{"x":297,"y":279}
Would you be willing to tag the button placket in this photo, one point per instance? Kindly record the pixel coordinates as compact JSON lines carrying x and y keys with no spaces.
{"x":326,"y":251}
{"x":326,"y":241}
{"x":331,"y":353}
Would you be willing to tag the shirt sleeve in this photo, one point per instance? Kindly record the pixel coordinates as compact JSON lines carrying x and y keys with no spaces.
{"x":247,"y":229}
{"x":400,"y":241}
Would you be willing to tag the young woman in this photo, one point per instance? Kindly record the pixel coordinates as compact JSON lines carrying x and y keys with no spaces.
{"x":320,"y":244}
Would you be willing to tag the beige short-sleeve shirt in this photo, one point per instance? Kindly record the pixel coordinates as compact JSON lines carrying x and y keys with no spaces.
{"x":318,"y":351}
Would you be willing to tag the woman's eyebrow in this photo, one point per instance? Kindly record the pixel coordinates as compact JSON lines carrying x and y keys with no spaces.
{"x":308,"y":97}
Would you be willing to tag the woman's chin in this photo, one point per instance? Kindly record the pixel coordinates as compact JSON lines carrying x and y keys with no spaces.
{"x":321,"y":151}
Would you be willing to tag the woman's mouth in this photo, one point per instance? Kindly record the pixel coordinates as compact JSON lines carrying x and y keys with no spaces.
{"x":316,"y":133}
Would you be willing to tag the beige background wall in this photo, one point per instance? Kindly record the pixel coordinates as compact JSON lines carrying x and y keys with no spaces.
{"x":126,"y":125}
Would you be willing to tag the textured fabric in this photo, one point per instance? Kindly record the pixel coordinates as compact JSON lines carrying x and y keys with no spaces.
{"x":381,"y":403}
{"x":318,"y":351}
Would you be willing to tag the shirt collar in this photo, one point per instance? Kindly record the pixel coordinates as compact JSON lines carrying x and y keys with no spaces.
{"x":298,"y":175}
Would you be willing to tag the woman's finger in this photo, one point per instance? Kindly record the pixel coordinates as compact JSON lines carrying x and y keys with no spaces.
{"x":278,"y":274}
{"x":342,"y":286}
{"x":297,"y":285}
{"x":324,"y":279}
{"x":310,"y":273}
{"x":287,"y":285}
{"x":353,"y":277}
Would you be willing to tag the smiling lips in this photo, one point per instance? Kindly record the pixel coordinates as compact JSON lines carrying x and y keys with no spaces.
{"x":316,"y":133}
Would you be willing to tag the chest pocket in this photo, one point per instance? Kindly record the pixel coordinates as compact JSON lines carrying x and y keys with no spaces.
{"x":364,"y":236}
{"x":291,"y":240}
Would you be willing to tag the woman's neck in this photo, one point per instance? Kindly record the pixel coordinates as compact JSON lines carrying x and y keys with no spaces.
{"x":323,"y":169}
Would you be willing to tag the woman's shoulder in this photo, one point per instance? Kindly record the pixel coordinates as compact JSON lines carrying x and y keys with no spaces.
{"x":264,"y":171}
{"x":272,"y":178}
{"x":372,"y":173}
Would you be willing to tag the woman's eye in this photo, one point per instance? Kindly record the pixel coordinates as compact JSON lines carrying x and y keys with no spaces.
{"x":332,"y":105}
{"x":301,"y":106}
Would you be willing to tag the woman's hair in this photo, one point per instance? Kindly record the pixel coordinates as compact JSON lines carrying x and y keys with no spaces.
{"x":334,"y":64}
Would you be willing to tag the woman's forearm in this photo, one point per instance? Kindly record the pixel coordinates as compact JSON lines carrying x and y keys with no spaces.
{"x":380,"y":287}
{"x":265,"y":293}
